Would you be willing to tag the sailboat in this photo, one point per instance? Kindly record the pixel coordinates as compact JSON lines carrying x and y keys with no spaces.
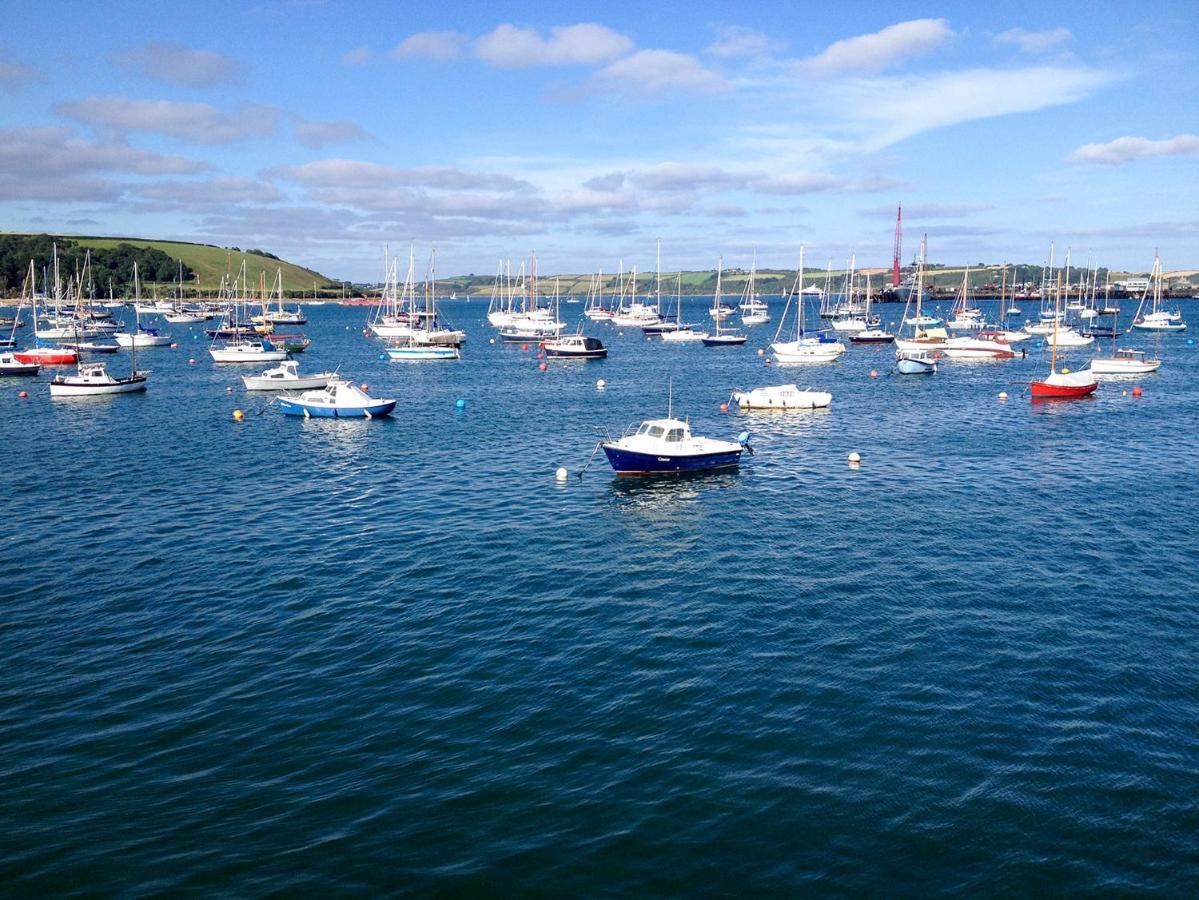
{"x":802,"y":349}
{"x":428,"y":340}
{"x":572,"y":346}
{"x":242,"y":348}
{"x":93,"y":379}
{"x":722,"y":338}
{"x":140,"y":336}
{"x":873,"y":334}
{"x":1064,"y":385}
{"x":965,"y":317}
{"x":1158,"y":319}
{"x":919,"y":355}
{"x":594,"y":308}
{"x":682,"y":333}
{"x":40,"y":354}
{"x":754,"y":310}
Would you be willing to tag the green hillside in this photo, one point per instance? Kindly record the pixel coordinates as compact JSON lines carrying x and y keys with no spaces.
{"x":209,"y":263}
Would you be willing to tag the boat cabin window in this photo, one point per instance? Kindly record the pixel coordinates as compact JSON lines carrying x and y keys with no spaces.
{"x":643,"y":429}
{"x":655,"y":431}
{"x":674,"y":435}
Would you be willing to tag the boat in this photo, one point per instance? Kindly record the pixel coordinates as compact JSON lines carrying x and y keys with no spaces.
{"x":916,"y":357}
{"x":984,"y":345}
{"x":91,"y":346}
{"x":924,"y":338}
{"x":246,"y":350}
{"x":10,"y":365}
{"x":754,"y":310}
{"x":279,"y":315}
{"x":1063,"y":385}
{"x":93,"y":379}
{"x":802,"y":349}
{"x":965,"y":317}
{"x":339,"y":399}
{"x":1157,"y":319}
{"x":915,"y":362}
{"x":47,"y":356}
{"x":1066,"y":337}
{"x":679,"y":332}
{"x":722,"y":338}
{"x":594,"y":308}
{"x":780,"y":397}
{"x":667,"y":447}
{"x":574,"y":346}
{"x":286,"y":376}
{"x":410,"y":348}
{"x":427,"y":339}
{"x":1125,"y":362}
{"x":873,"y":333}
{"x":140,"y":336}
{"x":40,"y":354}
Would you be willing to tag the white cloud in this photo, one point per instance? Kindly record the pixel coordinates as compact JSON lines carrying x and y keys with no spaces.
{"x":353,"y":173}
{"x":359,"y":56}
{"x":197,"y":122}
{"x":584,"y":44}
{"x":649,"y":72}
{"x":1034,"y":41}
{"x":216,"y":192}
{"x":13,"y":72}
{"x":440,"y":46}
{"x":52,"y":151}
{"x":737,"y":41}
{"x":1128,"y":149}
{"x":316,"y":134}
{"x":918,"y":104}
{"x":177,"y":63}
{"x":883,"y":49}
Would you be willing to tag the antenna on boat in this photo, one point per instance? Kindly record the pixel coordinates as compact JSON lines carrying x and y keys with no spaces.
{"x":670,"y":398}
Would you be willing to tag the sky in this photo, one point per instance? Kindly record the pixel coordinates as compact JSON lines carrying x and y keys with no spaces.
{"x":326,"y":132}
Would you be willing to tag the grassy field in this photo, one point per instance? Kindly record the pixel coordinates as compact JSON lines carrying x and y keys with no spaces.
{"x":210,"y":263}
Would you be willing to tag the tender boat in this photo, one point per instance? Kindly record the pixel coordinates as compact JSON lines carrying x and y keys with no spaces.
{"x":984,"y":345}
{"x":574,"y":346}
{"x":782,"y":396}
{"x":667,"y":447}
{"x":246,"y":351}
{"x":915,"y":362}
{"x":93,"y":379}
{"x":340,"y":399}
{"x":1125,"y":362}
{"x":286,"y":376}
{"x":10,"y":365}
{"x":872,"y":336}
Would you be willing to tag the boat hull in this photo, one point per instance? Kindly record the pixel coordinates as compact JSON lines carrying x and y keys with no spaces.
{"x":429,"y":351}
{"x":290,"y":407}
{"x":48,"y":357}
{"x":308,"y":383}
{"x":724,"y":340}
{"x":634,"y":463}
{"x":907,"y":366}
{"x":65,"y":388}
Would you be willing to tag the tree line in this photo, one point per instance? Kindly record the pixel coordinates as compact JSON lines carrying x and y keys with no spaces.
{"x":110,"y":266}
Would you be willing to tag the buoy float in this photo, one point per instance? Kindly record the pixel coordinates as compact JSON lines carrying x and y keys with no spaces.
{"x":192,"y":361}
{"x":382,"y":356}
{"x":874,"y":373}
{"x":238,"y":415}
{"x":491,"y":341}
{"x":600,"y":384}
{"x":1190,"y":342}
{"x":855,"y":458}
{"x":724,"y":407}
{"x":228,"y":390}
{"x":1065,"y":371}
{"x":174,"y":346}
{"x":1123,"y":393}
{"x":561,"y":474}
{"x":761,"y":352}
{"x":24,"y":395}
{"x":1003,"y":395}
{"x":542,"y":367}
{"x":524,"y":348}
{"x":1136,"y":391}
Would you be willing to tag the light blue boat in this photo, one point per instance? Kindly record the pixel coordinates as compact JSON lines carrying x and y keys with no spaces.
{"x":339,"y":399}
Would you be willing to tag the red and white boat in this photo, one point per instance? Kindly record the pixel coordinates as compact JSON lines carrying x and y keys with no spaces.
{"x":48,"y":356}
{"x":1064,"y":385}
{"x":984,"y":345}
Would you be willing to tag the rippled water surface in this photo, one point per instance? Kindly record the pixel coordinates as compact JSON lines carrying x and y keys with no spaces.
{"x":322,"y":656}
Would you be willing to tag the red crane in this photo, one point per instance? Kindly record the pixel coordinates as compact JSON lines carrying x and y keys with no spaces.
{"x":898,"y":246}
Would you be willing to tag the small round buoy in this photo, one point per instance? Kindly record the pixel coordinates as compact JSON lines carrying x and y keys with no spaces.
{"x":767,"y":360}
{"x":1136,"y":391}
{"x":228,"y":390}
{"x":648,"y":338}
{"x":724,"y":407}
{"x":382,"y":356}
{"x":1190,"y":342}
{"x":238,"y":415}
{"x":460,"y":403}
{"x":347,"y":328}
{"x":174,"y":346}
{"x":24,"y":395}
{"x":364,"y":386}
{"x":524,"y":348}
{"x":600,"y":384}
{"x":1123,"y":393}
{"x":855,"y":457}
{"x":561,"y":474}
{"x":542,"y":367}
{"x":761,"y":352}
{"x":874,"y":373}
{"x":1003,"y":395}
{"x":192,"y":361}
{"x":491,"y":341}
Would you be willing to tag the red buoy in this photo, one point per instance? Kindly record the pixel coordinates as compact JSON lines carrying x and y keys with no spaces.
{"x":543,"y":367}
{"x":1136,"y":391}
{"x":724,"y":407}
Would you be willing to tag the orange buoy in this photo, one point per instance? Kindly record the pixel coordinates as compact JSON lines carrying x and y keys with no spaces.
{"x":1136,"y":391}
{"x":874,"y":373}
{"x":24,"y":395}
{"x":524,"y":348}
{"x":724,"y":407}
{"x":238,"y":415}
{"x":542,"y":367}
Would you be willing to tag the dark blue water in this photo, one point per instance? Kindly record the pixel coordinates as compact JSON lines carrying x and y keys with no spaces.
{"x":331,"y":657}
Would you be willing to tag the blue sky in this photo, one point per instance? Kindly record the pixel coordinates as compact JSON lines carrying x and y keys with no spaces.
{"x":322,"y":131}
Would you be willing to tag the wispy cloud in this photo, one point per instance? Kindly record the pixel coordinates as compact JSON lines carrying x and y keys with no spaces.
{"x":316,"y":134}
{"x":353,"y":173}
{"x":928,"y":210}
{"x":14,"y":73}
{"x":733,"y":41}
{"x":359,"y":56}
{"x":439,"y":46}
{"x":1035,"y":41}
{"x":1128,"y":149}
{"x":655,"y":72}
{"x":587,"y":43}
{"x":179,"y":64}
{"x":883,"y":49}
{"x":198,"y":122}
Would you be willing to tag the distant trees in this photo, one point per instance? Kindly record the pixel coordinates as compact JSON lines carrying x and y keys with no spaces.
{"x":113,"y":264}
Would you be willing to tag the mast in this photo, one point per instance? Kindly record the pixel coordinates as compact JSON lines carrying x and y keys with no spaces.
{"x":1057,"y":301}
{"x":716,"y":299}
{"x":898,"y":246}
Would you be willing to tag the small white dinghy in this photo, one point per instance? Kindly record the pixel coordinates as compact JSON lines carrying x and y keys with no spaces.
{"x":286,"y":377}
{"x":782,"y":396}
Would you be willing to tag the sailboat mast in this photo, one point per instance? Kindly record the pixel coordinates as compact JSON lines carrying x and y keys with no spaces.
{"x":1057,"y":302}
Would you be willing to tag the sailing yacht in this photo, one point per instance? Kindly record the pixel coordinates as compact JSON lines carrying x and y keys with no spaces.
{"x":802,"y":349}
{"x":1158,"y":319}
{"x":1063,"y":385}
